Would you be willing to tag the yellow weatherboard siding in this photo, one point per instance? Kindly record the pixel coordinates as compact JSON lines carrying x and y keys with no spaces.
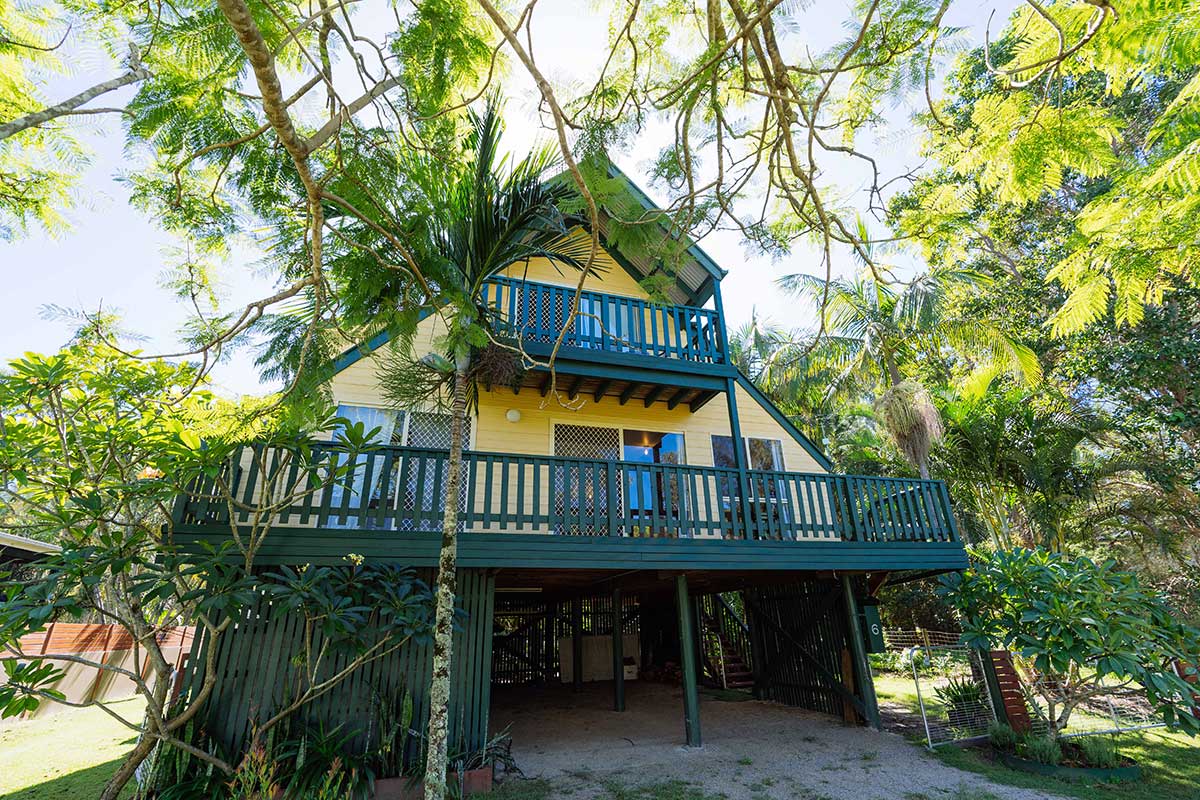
{"x":533,"y":434}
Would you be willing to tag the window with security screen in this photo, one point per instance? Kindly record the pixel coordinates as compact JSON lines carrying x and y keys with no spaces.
{"x":416,"y":483}
{"x":581,"y":491}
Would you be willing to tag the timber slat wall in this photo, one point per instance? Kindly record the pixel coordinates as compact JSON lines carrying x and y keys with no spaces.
{"x":254,"y":665}
{"x":813,"y":615}
{"x":88,"y":637}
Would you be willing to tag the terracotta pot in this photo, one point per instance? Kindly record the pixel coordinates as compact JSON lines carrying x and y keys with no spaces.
{"x":474,"y":781}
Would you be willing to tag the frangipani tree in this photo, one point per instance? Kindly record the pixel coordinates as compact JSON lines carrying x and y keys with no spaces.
{"x":1086,"y":628}
{"x":96,"y":449}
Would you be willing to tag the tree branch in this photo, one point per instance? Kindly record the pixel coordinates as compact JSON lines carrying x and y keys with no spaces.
{"x":136,"y":74}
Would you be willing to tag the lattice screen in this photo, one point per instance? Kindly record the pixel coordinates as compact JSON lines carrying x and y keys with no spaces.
{"x":424,"y":430}
{"x":587,"y":441}
{"x":582,"y":492}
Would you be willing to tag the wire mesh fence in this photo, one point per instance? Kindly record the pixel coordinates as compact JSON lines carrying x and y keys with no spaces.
{"x":953,"y":693}
{"x":955,"y":698}
{"x":904,"y":639}
{"x":1117,"y":708}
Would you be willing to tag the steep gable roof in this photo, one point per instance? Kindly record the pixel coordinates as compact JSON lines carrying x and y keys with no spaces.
{"x":695,"y":278}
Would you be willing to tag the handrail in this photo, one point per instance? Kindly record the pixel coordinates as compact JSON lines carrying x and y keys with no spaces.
{"x":537,"y":312}
{"x":402,"y":488}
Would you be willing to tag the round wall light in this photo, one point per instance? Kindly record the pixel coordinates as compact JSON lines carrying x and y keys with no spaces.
{"x":512,"y":415}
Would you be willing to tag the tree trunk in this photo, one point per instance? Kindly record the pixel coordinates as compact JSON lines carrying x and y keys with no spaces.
{"x":112,"y":789}
{"x":447,"y":589}
{"x":159,"y":694}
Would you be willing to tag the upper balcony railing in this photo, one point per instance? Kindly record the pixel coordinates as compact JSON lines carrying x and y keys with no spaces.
{"x":537,"y":312}
{"x":402,"y":489}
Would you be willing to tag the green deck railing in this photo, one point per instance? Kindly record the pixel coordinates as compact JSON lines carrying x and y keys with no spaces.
{"x":402,"y":489}
{"x":537,"y":312}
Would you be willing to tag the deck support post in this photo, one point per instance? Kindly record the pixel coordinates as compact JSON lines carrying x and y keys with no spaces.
{"x":858,"y":649}
{"x":687,"y":658}
{"x":618,"y":650}
{"x":577,"y":644}
{"x":758,"y":653}
{"x":739,"y":461}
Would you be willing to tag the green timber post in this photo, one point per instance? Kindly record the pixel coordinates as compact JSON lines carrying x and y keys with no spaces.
{"x":618,"y":649}
{"x":739,"y":455}
{"x":577,"y":644}
{"x":757,"y":649}
{"x":687,"y":657}
{"x":722,"y":339}
{"x":735,"y":425}
{"x":858,"y":649}
{"x":993,"y":685}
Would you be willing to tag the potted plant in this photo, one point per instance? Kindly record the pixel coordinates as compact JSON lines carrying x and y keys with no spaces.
{"x":964,"y":701}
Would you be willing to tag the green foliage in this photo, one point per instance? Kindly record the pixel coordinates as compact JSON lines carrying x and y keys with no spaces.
{"x":1024,"y":464}
{"x":1042,"y":749}
{"x":1085,"y":627}
{"x":256,"y":777}
{"x":1002,"y":736}
{"x":960,"y":691}
{"x":876,"y":341}
{"x":1020,"y":135}
{"x":19,"y":678}
{"x":1099,"y":751}
{"x":468,"y":221}
{"x":97,"y":448}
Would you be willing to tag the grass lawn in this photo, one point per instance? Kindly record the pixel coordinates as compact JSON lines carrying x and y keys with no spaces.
{"x":70,"y":754}
{"x":1170,"y":761}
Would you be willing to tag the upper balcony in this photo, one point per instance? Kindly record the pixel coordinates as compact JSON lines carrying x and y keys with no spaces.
{"x":618,"y":342}
{"x":529,"y":511}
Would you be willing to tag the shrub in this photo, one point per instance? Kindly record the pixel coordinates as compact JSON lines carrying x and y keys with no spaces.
{"x":1043,"y":749}
{"x":960,"y":693}
{"x":1099,"y":751}
{"x":1003,"y":737}
{"x":891,"y":661}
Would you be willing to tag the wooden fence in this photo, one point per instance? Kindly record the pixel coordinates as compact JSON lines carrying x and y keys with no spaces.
{"x":110,"y":645}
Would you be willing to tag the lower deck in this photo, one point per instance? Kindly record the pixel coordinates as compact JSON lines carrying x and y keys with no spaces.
{"x":795,"y":638}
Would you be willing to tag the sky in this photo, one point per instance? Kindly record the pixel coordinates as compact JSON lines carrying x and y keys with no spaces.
{"x":112,"y":255}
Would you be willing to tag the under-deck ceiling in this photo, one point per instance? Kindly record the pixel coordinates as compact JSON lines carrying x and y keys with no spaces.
{"x":565,"y":583}
{"x":646,"y":394}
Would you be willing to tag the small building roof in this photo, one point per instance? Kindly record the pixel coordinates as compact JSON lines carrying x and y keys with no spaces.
{"x":21,"y":548}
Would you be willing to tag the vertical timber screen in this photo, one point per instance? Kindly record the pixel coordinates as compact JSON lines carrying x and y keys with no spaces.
{"x":528,"y":630}
{"x":800,"y":632}
{"x":255,"y":676}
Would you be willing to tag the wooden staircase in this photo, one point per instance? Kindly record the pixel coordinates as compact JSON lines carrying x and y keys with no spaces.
{"x":735,"y":673}
{"x":727,"y":663}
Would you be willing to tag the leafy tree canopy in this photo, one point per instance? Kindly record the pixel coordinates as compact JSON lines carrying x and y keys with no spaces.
{"x":1085,"y":627}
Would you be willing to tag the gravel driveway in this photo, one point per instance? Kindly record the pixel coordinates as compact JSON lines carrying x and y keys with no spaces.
{"x":752,"y":750}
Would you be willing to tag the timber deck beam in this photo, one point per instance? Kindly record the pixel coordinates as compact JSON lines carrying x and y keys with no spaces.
{"x":548,"y":551}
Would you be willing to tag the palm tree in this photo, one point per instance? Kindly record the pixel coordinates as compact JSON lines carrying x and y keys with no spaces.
{"x":876,"y":335}
{"x":780,"y":363}
{"x":1029,"y":465}
{"x":470,"y":223}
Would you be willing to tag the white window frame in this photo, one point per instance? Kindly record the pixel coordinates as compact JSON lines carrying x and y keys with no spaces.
{"x":746,"y":449}
{"x":408,"y":412}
